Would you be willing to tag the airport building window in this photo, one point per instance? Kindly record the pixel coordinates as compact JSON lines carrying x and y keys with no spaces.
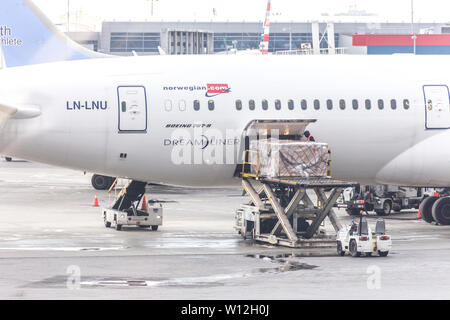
{"x":277,"y":104}
{"x":211,"y":105}
{"x":251,"y":104}
{"x":329,"y":104}
{"x":406,"y":104}
{"x":316,"y":104}
{"x":342,"y":104}
{"x":238,"y":105}
{"x":393,"y":104}
{"x":278,"y":40}
{"x":265,"y":104}
{"x":135,"y":41}
{"x":304,"y":104}
{"x":380,"y":104}
{"x":291,"y":104}
{"x":355,"y":104}
{"x":368,"y":104}
{"x":196,"y":105}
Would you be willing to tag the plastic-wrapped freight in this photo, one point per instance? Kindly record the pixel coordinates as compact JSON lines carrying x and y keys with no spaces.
{"x":288,"y":158}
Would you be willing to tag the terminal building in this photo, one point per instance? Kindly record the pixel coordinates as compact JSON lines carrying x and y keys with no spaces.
{"x":192,"y":37}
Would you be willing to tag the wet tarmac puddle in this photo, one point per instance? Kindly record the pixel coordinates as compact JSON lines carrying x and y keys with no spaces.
{"x":284,"y":264}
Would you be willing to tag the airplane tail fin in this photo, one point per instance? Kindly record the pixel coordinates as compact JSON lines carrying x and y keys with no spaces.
{"x":264,"y":45}
{"x":2,"y":59}
{"x":28,"y":37}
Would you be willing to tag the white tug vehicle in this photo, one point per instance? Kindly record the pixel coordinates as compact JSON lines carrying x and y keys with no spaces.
{"x":358,"y":238}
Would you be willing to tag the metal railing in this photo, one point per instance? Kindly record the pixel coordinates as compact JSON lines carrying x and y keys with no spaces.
{"x":117,"y":195}
{"x":311,"y":51}
{"x":248,"y":161}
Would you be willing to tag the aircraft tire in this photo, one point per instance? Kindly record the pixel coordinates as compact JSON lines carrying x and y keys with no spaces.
{"x":441,"y":211}
{"x":426,"y":208}
{"x":100,"y":182}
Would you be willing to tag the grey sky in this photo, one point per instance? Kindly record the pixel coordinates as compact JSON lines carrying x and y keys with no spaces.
{"x":295,"y":10}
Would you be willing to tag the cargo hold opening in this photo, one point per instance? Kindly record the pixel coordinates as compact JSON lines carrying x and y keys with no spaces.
{"x":264,"y":129}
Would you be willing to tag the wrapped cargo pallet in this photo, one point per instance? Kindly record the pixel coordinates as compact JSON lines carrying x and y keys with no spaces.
{"x":288,"y":158}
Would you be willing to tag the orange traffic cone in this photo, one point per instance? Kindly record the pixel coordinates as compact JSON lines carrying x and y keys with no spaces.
{"x":419,"y":215}
{"x":96,"y":201}
{"x":144,"y":204}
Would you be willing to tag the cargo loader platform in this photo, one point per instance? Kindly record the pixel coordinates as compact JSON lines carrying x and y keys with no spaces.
{"x":281,"y":212}
{"x":282,"y":177}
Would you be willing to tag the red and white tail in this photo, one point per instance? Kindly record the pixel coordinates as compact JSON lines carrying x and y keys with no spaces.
{"x":264,"y":45}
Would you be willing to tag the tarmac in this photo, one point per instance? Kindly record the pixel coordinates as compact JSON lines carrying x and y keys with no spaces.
{"x":54,"y":245}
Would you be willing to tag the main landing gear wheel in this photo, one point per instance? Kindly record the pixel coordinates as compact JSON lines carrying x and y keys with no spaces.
{"x":100,"y":182}
{"x":441,"y":211}
{"x":426,"y":208}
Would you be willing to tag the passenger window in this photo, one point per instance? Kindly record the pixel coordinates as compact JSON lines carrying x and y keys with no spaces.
{"x":291,"y":104}
{"x":342,"y":104}
{"x":124,"y":106}
{"x":316,"y":104}
{"x":368,"y":104}
{"x":265,"y":104}
{"x":196,"y":105}
{"x":168,"y":105}
{"x":304,"y":105}
{"x":380,"y":104}
{"x":406,"y":104}
{"x":393,"y":104}
{"x":238,"y":105}
{"x":278,"y":104}
{"x":251,"y":104}
{"x":211,"y":105}
{"x":355,"y":104}
{"x":182,"y":105}
{"x":329,"y":104}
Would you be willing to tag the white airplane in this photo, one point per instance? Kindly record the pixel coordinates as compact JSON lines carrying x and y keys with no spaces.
{"x":180,"y":120}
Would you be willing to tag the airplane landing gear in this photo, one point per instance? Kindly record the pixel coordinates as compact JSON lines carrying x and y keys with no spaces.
{"x":100,"y":182}
{"x":441,"y":211}
{"x":426,"y":208}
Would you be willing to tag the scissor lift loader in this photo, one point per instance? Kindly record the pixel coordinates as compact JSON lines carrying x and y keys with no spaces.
{"x":281,"y":210}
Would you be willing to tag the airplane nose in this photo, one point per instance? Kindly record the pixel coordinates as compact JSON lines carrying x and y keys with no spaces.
{"x":425,"y":163}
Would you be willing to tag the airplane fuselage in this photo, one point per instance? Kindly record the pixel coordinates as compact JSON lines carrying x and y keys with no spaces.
{"x":130,"y":117}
